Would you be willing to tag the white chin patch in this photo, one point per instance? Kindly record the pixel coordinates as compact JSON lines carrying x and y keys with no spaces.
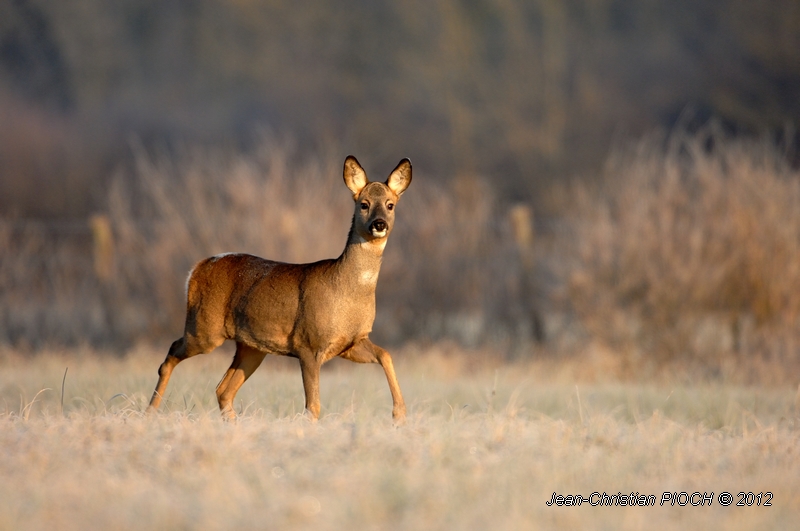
{"x":379,"y":234}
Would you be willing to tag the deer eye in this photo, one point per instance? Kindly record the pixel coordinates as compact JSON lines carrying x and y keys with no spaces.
{"x":365,"y":206}
{"x":390,"y":206}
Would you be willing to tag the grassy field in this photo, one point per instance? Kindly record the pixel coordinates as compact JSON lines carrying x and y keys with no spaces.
{"x":485,"y":447}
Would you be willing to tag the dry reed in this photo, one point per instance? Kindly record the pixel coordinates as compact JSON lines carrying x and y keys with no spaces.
{"x":688,"y":252}
{"x":691,"y":250}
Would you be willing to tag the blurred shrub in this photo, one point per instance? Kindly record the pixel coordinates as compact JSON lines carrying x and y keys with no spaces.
{"x":453,"y":268}
{"x":690,"y":249}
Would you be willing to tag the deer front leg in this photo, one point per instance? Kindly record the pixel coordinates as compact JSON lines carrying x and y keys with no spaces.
{"x":398,"y":405}
{"x":309,"y":369}
{"x":365,"y":351}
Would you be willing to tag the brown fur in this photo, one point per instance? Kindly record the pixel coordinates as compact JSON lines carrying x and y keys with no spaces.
{"x":313,"y":312}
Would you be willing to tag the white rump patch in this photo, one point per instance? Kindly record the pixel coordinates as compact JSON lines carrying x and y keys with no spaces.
{"x":191,"y":271}
{"x":221,"y":255}
{"x":186,"y":285}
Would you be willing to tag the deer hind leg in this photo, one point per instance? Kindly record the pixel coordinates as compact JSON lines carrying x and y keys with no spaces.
{"x":245,"y":362}
{"x":365,"y":351}
{"x":180,"y":350}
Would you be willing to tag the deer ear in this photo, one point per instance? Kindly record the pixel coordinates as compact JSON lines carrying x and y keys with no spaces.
{"x":400,"y":177}
{"x":354,"y":176}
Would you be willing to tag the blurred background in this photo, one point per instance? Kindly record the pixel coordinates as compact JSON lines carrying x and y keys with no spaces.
{"x":611,"y":177}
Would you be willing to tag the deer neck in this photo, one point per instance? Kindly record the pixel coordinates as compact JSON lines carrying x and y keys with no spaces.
{"x":361,"y":259}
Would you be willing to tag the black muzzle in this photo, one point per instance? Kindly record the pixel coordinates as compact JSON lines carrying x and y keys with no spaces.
{"x":378,"y":225}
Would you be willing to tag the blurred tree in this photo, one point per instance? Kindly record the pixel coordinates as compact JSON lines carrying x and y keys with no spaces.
{"x":31,"y":65}
{"x":520,"y":92}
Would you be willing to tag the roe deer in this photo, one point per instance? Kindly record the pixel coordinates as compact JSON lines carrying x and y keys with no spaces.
{"x":313,"y":312}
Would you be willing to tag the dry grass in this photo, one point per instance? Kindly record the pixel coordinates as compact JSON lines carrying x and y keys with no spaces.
{"x":485,"y":447}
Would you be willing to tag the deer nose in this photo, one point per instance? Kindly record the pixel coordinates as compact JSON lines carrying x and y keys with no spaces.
{"x":378,"y":225}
